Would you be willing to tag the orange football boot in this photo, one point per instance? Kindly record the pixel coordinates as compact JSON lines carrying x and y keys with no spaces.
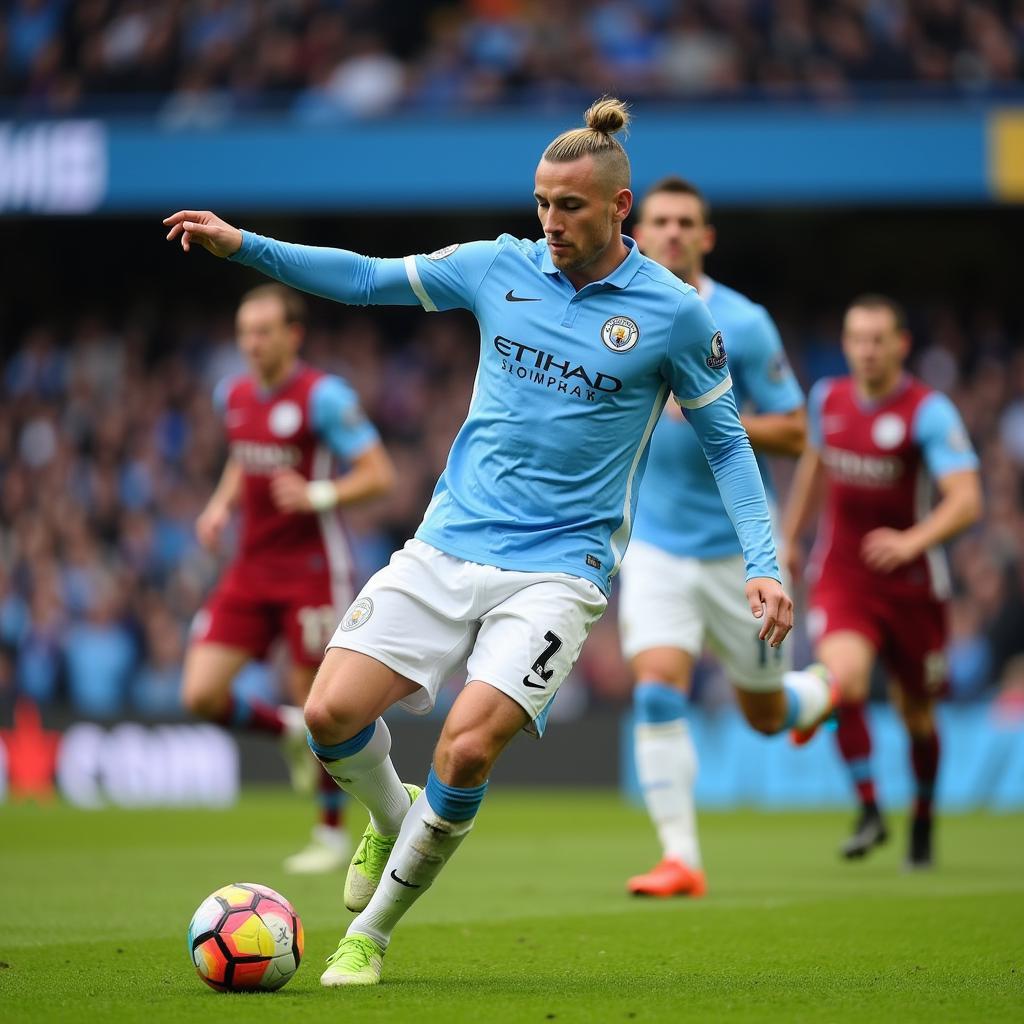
{"x":669,"y":877}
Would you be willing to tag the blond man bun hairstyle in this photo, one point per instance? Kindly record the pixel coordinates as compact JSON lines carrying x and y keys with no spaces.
{"x":604,"y":118}
{"x":607,"y":115}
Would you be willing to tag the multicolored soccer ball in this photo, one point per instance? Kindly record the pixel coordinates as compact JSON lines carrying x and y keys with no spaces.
{"x":245,"y":936}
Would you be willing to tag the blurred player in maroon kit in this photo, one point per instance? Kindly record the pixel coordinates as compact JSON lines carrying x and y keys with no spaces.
{"x":879,"y":582}
{"x":290,"y":427}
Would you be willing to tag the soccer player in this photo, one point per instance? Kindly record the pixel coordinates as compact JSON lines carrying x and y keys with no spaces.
{"x":299,"y":448}
{"x":876,"y":439}
{"x":682,"y":577}
{"x":581,"y":340}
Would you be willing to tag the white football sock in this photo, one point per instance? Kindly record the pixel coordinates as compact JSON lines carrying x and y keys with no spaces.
{"x":812,"y":696}
{"x":666,"y":765}
{"x":371,"y":778}
{"x":423,"y":847}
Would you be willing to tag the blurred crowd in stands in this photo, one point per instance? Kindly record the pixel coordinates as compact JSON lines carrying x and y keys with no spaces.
{"x":197,"y":62}
{"x":109,"y":449}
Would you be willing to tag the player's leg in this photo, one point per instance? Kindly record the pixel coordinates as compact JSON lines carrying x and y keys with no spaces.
{"x":206,"y":690}
{"x":666,"y":767}
{"x":532,"y":627}
{"x":328,"y":848}
{"x":849,"y":656}
{"x":398,"y":642}
{"x":234,"y":627}
{"x":349,"y":694}
{"x":662,"y":631}
{"x":914,"y":652}
{"x":478,"y":727}
{"x":771,"y":696}
{"x":353,"y":743}
{"x":799,"y":696}
{"x":308,"y":620}
{"x":918,"y":713}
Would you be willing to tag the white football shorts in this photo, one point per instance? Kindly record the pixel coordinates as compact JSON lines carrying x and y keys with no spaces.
{"x":426,"y":613}
{"x":668,"y":601}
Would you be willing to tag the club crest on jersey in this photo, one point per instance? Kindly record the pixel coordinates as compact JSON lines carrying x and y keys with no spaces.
{"x":718,"y":358}
{"x":888,"y":430}
{"x":285,"y":418}
{"x":443,"y":252}
{"x":620,"y":333}
{"x":359,"y":613}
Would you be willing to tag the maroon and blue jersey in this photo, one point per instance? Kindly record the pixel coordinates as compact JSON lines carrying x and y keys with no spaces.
{"x":311,"y":424}
{"x":881,"y":460}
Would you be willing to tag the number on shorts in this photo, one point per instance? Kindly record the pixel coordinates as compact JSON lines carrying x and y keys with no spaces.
{"x":935,"y":669}
{"x":765,"y":650}
{"x":317,"y":625}
{"x":540,"y":666}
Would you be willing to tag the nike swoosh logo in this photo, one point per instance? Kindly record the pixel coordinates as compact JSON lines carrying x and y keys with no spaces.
{"x":516,"y":298}
{"x":402,"y":881}
{"x":534,"y":686}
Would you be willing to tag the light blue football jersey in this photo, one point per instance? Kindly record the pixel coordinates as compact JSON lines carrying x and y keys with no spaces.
{"x":545,"y":472}
{"x":680,"y":509}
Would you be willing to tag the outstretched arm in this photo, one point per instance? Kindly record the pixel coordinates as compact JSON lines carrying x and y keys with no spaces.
{"x":331,"y":273}
{"x":212,"y":233}
{"x":446,"y":279}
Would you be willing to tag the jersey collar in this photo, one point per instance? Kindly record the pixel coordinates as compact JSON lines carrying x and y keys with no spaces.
{"x":268,"y":394}
{"x":620,"y":277}
{"x":872,"y":405}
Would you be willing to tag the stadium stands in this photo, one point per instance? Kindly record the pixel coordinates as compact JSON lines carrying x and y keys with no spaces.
{"x":327,"y":60}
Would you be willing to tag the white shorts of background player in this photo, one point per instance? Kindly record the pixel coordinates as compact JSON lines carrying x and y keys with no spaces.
{"x":687,"y":603}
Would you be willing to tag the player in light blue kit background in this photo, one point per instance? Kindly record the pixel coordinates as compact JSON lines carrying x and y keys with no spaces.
{"x":581,"y":340}
{"x":682,"y":579}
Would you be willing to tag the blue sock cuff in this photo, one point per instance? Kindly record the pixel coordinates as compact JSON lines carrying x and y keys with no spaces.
{"x":860,"y":769}
{"x":452,"y":803}
{"x":658,"y":702}
{"x":792,"y":708}
{"x":345,"y":749}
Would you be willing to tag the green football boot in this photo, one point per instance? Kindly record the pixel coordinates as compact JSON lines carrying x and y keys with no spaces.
{"x":364,"y":873}
{"x":357,"y":961}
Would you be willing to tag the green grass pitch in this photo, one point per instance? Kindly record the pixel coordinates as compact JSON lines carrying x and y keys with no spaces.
{"x":528,"y":923}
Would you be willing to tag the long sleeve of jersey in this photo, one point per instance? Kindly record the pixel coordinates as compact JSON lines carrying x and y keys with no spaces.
{"x":731,"y":458}
{"x":331,"y":273}
{"x":695,"y":367}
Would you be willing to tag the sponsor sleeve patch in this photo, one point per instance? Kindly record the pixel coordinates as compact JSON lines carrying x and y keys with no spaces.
{"x":718,"y":358}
